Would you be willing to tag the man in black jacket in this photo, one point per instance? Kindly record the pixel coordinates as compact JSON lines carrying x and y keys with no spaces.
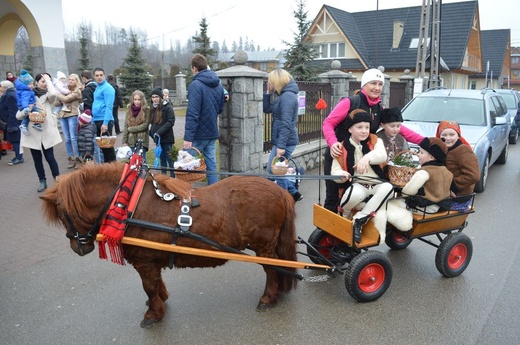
{"x":89,"y":86}
{"x":118,"y":102}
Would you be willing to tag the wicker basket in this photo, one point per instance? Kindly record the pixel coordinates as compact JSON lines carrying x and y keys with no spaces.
{"x":38,"y":116}
{"x":105,"y":142}
{"x":190,"y":176}
{"x":279,"y":169}
{"x":400,"y":175}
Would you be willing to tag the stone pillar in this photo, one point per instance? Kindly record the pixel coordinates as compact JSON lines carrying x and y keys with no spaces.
{"x":241,"y":124}
{"x":385,"y":94}
{"x":180,"y":83}
{"x":339,"y":82}
{"x":409,"y":80}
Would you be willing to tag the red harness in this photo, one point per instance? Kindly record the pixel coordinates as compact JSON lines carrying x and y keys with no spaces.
{"x":123,"y":206}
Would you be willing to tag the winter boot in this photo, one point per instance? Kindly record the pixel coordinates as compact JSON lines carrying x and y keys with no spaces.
{"x":72,"y":163}
{"x":43,"y":185}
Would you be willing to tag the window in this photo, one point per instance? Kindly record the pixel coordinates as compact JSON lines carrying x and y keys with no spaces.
{"x":414,"y":43}
{"x":472,"y":85}
{"x":263,"y":66}
{"x":332,"y":50}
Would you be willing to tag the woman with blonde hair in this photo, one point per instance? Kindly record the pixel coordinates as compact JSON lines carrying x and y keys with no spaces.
{"x":137,"y":121}
{"x":284,"y":134}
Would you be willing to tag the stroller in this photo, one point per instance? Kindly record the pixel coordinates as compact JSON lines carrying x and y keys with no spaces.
{"x":294,"y":172}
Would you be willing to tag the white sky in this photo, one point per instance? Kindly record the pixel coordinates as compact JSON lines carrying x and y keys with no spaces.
{"x":267,"y":23}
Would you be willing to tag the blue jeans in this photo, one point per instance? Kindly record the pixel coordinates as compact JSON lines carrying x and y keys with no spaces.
{"x":165,"y":159}
{"x":69,"y":125}
{"x":282,"y":182}
{"x":208,"y":148}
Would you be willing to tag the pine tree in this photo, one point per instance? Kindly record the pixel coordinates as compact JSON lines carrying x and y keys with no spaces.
{"x":202,"y":42}
{"x":84,"y":60}
{"x":301,"y":52}
{"x":135,"y":76}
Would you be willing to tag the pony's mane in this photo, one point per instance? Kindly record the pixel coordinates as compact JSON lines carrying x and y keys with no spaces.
{"x":76,"y":192}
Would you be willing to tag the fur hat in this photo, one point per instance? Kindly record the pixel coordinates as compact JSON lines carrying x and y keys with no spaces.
{"x":157,"y":92}
{"x":60,"y":75}
{"x":356,"y":116}
{"x":436,"y":147}
{"x":25,"y":77}
{"x":85,"y":117}
{"x":444,"y":124}
{"x":372,"y":74}
{"x":391,"y":115}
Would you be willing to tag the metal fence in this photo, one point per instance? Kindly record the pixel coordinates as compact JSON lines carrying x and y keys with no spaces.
{"x":309,"y":123}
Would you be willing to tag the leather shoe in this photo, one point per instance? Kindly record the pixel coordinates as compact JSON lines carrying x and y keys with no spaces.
{"x":15,"y":161}
{"x":358,"y":224}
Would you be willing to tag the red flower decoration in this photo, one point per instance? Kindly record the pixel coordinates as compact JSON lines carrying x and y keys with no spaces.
{"x":321,"y":104}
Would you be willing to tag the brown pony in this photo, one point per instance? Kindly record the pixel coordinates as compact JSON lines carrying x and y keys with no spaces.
{"x":237,"y":212}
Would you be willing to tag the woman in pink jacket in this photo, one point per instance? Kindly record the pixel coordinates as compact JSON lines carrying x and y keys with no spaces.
{"x":335,"y":126}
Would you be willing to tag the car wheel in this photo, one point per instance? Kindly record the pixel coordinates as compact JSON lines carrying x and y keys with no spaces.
{"x":513,"y":137}
{"x":481,"y":184}
{"x":502,"y":159}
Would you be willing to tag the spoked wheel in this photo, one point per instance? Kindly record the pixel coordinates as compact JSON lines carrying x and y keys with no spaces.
{"x":324,"y":243}
{"x":396,"y":239}
{"x":454,"y":254}
{"x":368,"y":276}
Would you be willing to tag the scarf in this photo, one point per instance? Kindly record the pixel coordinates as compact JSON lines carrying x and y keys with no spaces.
{"x":39,"y":91}
{"x":135,"y":110}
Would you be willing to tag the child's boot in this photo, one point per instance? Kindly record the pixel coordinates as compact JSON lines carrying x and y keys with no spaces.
{"x":72,"y":163}
{"x":24,"y":130}
{"x":37,"y":126}
{"x":65,"y":108}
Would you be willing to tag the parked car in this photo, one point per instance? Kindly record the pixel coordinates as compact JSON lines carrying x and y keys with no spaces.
{"x":483,"y":117}
{"x":512,"y":100}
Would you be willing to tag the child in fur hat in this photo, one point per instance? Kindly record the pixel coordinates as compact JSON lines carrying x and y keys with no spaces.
{"x":391,"y":119}
{"x":86,"y":137}
{"x":362,"y":155}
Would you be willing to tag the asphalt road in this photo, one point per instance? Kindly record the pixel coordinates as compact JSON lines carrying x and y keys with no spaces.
{"x":49,"y":295}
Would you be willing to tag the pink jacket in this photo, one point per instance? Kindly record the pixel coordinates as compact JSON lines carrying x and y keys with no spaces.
{"x":339,"y":113}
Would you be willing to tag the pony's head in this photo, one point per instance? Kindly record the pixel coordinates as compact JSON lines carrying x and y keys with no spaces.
{"x":77,"y":200}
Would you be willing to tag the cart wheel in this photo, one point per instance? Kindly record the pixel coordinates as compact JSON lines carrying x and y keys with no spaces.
{"x":396,"y":239}
{"x":454,"y":254}
{"x":324,"y":243}
{"x":368,"y":276}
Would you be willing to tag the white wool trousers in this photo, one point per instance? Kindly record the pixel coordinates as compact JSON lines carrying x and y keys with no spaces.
{"x":356,"y":194}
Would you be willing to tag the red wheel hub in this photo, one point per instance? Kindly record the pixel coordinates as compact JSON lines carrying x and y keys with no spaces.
{"x":457,"y":256}
{"x":371,"y":277}
{"x":325,"y":244}
{"x":400,"y":238}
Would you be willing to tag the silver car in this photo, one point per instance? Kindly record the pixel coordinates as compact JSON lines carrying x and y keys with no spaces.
{"x":482,"y":115}
{"x":512,"y":100}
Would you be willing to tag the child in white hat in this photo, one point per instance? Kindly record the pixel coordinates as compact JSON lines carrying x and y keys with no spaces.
{"x":60,"y":83}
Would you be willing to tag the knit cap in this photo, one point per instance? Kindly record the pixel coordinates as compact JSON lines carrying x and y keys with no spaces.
{"x":25,"y":77}
{"x":157,"y":91}
{"x":436,"y":147}
{"x":85,"y":118}
{"x":372,"y":74}
{"x":391,"y":115}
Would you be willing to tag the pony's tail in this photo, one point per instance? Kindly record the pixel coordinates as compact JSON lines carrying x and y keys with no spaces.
{"x":286,"y":248}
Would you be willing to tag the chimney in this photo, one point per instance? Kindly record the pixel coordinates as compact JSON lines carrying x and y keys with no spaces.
{"x":398,"y":34}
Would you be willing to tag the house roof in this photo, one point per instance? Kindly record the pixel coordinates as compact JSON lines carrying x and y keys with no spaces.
{"x":494,"y":44}
{"x":263,"y":56}
{"x":371,"y":33}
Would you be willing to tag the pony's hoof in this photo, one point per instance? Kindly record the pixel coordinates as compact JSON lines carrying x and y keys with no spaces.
{"x":147,"y":323}
{"x":261,"y":307}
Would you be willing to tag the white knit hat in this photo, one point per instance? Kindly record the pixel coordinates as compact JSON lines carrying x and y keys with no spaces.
{"x":372,"y":74}
{"x":60,"y":75}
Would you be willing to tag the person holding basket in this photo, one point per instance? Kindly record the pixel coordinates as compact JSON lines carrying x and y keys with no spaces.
{"x":284,"y":134}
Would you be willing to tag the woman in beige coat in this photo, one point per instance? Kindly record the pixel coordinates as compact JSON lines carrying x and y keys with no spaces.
{"x":41,"y":143}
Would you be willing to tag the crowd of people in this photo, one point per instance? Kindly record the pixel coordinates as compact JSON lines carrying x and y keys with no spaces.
{"x":362,"y":137}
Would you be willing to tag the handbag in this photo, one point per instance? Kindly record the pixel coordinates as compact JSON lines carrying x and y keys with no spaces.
{"x":157,"y":151}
